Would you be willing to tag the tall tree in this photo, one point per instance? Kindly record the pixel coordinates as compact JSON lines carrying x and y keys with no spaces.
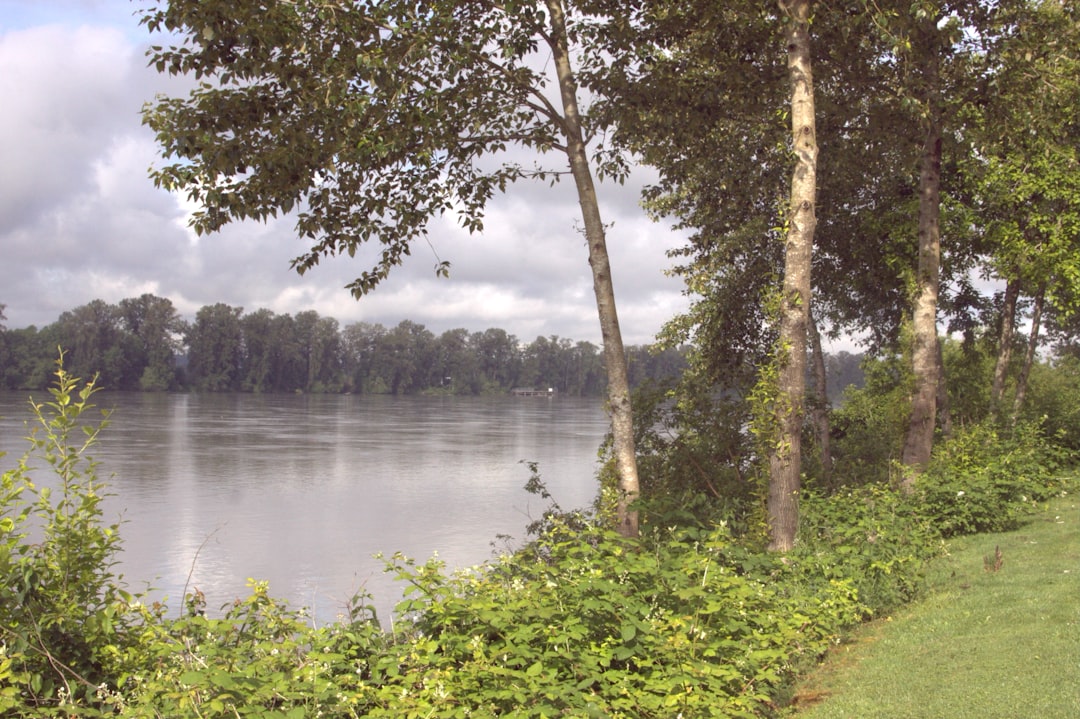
{"x":360,"y":340}
{"x":215,"y":349}
{"x":925,"y":366}
{"x":703,"y":106}
{"x":933,"y":48}
{"x":706,"y":105}
{"x":1028,"y":179}
{"x":405,"y":358}
{"x":372,"y":118}
{"x":258,"y":374}
{"x":93,"y":336}
{"x":498,"y":356}
{"x":457,"y":368}
{"x":156,"y":328}
{"x":27,"y":359}
{"x":320,"y":350}
{"x":785,"y":460}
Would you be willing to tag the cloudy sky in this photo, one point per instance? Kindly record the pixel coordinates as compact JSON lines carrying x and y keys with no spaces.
{"x":80,"y":220}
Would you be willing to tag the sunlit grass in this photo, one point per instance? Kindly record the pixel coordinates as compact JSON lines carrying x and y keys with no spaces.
{"x":985,"y":643}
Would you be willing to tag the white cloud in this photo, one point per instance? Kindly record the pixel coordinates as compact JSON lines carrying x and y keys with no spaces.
{"x":81,"y":220}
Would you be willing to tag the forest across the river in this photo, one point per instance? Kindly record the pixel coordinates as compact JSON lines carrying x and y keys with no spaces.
{"x":143,"y":344}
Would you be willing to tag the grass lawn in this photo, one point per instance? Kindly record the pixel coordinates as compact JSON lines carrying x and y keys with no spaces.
{"x":984,"y":643}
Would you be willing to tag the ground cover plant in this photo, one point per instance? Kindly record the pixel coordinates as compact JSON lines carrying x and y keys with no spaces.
{"x":688,"y":620}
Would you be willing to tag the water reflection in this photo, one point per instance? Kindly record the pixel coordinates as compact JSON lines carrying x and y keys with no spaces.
{"x":302,"y":490}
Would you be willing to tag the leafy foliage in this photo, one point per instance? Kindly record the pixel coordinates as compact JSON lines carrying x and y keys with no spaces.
{"x":872,"y":536}
{"x":261,"y":659}
{"x":64,"y":615}
{"x":868,"y":427}
{"x":983,"y":481}
{"x":696,"y":456}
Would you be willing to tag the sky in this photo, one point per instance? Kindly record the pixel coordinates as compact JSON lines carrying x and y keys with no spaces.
{"x":81,"y":220}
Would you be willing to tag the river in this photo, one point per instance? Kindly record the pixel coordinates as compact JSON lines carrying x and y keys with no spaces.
{"x":303,"y":490}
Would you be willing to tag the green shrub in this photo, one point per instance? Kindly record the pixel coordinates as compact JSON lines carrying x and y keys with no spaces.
{"x":1053,"y":400}
{"x":261,"y":659}
{"x":587,"y":623}
{"x":969,"y":374}
{"x":870,"y":536}
{"x":695,"y":457}
{"x":981,"y":480}
{"x":582,"y":622}
{"x":64,"y":616}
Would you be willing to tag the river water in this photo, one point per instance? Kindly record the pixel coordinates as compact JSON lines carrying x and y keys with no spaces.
{"x":302,"y":491}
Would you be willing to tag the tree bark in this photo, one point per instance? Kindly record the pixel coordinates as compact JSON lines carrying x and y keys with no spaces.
{"x":1029,"y":356}
{"x":622,"y":423}
{"x":820,"y":411}
{"x":1005,"y":342}
{"x":920,"y":435}
{"x":944,"y":406}
{"x":785,"y":458}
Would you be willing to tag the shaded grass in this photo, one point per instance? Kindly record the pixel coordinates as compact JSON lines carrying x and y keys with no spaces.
{"x":983,"y":644}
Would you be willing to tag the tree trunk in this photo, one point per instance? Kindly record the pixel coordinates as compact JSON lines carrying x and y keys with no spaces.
{"x":920,"y":434}
{"x":785,"y":458}
{"x":1005,"y":342}
{"x":944,"y":408}
{"x":622,"y":423}
{"x":821,"y":401}
{"x":1029,"y":356}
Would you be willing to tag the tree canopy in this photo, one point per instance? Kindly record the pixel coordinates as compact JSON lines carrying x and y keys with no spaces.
{"x":945,"y":158}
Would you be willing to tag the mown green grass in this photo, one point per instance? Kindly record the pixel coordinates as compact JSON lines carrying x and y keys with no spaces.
{"x":983,"y":644}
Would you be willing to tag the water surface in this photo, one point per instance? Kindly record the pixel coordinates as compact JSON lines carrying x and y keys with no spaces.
{"x":303,"y":490}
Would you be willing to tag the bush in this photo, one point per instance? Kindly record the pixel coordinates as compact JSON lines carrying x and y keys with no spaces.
{"x":587,"y":623}
{"x":695,"y":457}
{"x":261,"y":659}
{"x":982,"y":481}
{"x":871,"y":536}
{"x":1053,"y":401}
{"x":64,"y":616}
{"x":581,"y":623}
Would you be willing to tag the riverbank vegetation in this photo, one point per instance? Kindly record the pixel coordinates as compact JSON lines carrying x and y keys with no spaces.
{"x":929,"y":151}
{"x":693,"y":618}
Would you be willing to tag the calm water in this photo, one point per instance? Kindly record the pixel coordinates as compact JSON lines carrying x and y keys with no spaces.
{"x":303,"y":490}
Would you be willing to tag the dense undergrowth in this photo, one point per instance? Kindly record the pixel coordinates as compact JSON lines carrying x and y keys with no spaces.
{"x":691,"y":620}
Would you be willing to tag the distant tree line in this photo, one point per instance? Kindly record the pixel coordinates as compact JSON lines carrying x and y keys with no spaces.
{"x":143,"y":344}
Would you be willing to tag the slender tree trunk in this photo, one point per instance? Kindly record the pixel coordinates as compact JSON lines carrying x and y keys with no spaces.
{"x":1005,"y":342}
{"x":920,"y":435}
{"x":785,"y":459}
{"x":1029,"y":356}
{"x":622,"y":423}
{"x":944,"y":406}
{"x":821,"y":400}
